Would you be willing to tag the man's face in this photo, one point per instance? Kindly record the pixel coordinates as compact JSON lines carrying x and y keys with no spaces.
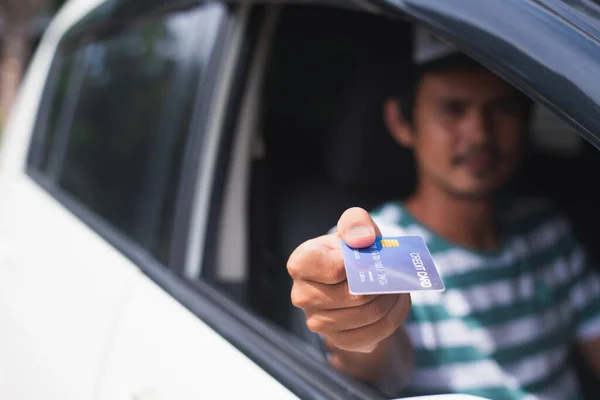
{"x":467,"y":131}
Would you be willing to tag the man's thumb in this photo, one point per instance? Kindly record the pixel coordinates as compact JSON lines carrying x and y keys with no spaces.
{"x":357,"y":229}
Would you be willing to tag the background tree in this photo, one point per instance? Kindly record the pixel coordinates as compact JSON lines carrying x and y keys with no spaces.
{"x":21,"y":27}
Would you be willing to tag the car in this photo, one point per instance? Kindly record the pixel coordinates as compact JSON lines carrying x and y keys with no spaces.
{"x":165,"y":157}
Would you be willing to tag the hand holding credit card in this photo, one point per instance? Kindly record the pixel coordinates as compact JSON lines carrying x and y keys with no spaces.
{"x":348,"y":323}
{"x":400,"y":264}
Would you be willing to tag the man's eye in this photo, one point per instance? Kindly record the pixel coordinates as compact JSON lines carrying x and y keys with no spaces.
{"x":454,"y":108}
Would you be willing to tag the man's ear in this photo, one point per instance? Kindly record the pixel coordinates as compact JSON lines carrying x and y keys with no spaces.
{"x":396,"y":124}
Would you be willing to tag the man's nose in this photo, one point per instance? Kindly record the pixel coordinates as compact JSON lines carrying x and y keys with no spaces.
{"x":477,"y":127}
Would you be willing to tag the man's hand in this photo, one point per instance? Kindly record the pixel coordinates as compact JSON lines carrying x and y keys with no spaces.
{"x":355,"y":328}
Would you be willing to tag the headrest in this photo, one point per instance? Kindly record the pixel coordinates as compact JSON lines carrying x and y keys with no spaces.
{"x":360,"y":151}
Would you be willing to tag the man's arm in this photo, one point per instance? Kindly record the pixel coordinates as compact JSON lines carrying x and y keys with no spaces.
{"x":360,"y":331}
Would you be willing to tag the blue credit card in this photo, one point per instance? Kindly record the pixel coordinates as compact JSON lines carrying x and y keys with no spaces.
{"x":391,"y":265}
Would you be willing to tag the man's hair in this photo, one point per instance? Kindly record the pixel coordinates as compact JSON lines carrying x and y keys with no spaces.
{"x":407,"y":97}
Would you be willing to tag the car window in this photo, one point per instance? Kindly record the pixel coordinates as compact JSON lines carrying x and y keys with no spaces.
{"x":118,"y":123}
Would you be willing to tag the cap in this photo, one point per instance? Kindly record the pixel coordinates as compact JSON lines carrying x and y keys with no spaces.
{"x":429,"y":47}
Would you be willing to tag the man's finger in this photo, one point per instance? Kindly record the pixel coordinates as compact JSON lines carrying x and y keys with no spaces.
{"x":318,"y":260}
{"x":357,"y":228}
{"x":332,"y":321}
{"x":312,"y":296}
{"x":364,"y":337}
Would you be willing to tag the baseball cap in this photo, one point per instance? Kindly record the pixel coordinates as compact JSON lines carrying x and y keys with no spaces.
{"x":430,"y":49}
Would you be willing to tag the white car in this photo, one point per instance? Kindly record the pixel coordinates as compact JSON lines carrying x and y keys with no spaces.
{"x":165,"y":157}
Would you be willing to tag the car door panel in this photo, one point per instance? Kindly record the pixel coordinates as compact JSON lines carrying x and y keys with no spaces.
{"x":163,"y":350}
{"x":61,"y":289}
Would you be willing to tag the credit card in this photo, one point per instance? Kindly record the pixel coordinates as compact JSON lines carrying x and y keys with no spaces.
{"x":400,"y":264}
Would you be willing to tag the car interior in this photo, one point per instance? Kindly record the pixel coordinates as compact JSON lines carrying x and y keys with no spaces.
{"x":317,"y":146}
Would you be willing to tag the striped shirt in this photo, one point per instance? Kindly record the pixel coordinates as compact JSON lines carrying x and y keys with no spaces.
{"x":503,"y":326}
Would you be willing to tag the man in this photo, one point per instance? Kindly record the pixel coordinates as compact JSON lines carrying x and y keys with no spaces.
{"x":518,"y":290}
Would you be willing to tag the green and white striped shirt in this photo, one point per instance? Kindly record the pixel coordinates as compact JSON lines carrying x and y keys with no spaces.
{"x":503,"y":327}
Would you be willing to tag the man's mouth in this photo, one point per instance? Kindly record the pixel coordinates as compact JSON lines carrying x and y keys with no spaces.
{"x":480,"y":163}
